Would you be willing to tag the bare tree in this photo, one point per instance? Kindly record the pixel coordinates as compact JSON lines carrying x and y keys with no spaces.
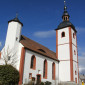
{"x":9,"y":56}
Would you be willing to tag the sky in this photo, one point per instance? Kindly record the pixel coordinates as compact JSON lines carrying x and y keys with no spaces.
{"x":41,"y":17}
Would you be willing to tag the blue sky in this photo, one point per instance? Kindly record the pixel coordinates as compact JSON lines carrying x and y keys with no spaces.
{"x":41,"y":17}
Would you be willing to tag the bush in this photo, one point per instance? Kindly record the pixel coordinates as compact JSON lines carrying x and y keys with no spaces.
{"x":47,"y":83}
{"x":8,"y":75}
{"x":42,"y":83}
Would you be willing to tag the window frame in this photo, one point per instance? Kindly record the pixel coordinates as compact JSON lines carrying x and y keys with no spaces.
{"x":74,"y":52}
{"x":45,"y":69}
{"x":53,"y":71}
{"x":63,"y":34}
{"x":29,"y":75}
{"x":33,"y":62}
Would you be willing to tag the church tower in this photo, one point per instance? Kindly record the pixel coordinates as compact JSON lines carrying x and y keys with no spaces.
{"x":66,"y":49}
{"x":13,"y":32}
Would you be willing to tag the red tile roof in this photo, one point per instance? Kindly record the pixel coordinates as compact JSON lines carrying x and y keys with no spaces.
{"x":38,"y":48}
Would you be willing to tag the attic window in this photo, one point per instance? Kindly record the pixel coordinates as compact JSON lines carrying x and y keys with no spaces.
{"x":41,"y":50}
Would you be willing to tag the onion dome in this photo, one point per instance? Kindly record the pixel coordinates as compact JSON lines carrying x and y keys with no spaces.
{"x":65,"y":22}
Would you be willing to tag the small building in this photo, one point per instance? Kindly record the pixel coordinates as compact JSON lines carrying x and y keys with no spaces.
{"x":82,"y":78}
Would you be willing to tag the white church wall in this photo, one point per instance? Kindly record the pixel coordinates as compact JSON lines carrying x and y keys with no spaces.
{"x":74,"y":53}
{"x":12,"y":32}
{"x":64,"y":39}
{"x":39,"y":67}
{"x":73,"y":39}
{"x":64,"y":55}
{"x":15,"y":54}
{"x":17,"y":50}
{"x":63,"y":52}
{"x":64,"y":71}
{"x":75,"y":62}
{"x":75,"y":68}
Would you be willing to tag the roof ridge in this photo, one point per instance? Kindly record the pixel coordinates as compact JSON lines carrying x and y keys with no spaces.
{"x":37,"y":43}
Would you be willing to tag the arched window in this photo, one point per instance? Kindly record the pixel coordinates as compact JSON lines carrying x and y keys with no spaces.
{"x":75,"y":73}
{"x":0,"y":54}
{"x":74,"y":52}
{"x":66,"y":18}
{"x":33,"y":62}
{"x":53,"y":71}
{"x":74,"y":35}
{"x":63,"y":34}
{"x":45,"y":69}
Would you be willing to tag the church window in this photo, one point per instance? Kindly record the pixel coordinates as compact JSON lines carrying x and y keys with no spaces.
{"x":75,"y":73}
{"x":30,"y":75}
{"x":16,"y":38}
{"x":0,"y":54}
{"x":74,"y":52}
{"x":33,"y":62}
{"x":76,"y":80}
{"x":45,"y":69}
{"x":9,"y":57}
{"x":74,"y":35}
{"x":63,"y":34}
{"x":53,"y":71}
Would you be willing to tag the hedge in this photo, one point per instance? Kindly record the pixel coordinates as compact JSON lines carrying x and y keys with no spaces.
{"x":8,"y":75}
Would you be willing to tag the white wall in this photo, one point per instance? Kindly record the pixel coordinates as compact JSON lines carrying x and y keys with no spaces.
{"x":75,"y":62}
{"x":64,"y":71}
{"x":14,"y":30}
{"x":64,"y":55}
{"x":39,"y":66}
{"x":64,"y":39}
{"x":63,"y":52}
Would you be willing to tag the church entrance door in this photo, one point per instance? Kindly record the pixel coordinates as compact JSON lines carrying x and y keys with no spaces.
{"x":38,"y":79}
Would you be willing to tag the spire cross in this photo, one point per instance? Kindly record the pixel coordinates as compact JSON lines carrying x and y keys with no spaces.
{"x":65,"y":8}
{"x":16,"y":15}
{"x":64,"y":3}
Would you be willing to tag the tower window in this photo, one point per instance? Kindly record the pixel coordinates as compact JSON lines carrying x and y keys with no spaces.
{"x":74,"y":52}
{"x":74,"y":35}
{"x":76,"y":80}
{"x":75,"y":73}
{"x":45,"y":69}
{"x":63,"y":34}
{"x":16,"y":38}
{"x":66,"y":18}
{"x":9,"y":57}
{"x":33,"y":62}
{"x":53,"y":71}
{"x":0,"y":54}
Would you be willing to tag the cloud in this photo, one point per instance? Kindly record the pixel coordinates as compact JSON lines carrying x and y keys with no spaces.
{"x":0,"y":44}
{"x":82,"y":63}
{"x":81,"y":69}
{"x":80,"y":30}
{"x":45,"y":34}
{"x":51,"y":33}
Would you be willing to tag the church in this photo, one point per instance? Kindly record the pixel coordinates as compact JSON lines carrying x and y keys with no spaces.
{"x":36,"y":62}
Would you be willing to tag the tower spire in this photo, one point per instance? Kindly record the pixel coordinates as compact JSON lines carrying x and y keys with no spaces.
{"x":65,"y":8}
{"x":16,"y":15}
{"x":65,"y":15}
